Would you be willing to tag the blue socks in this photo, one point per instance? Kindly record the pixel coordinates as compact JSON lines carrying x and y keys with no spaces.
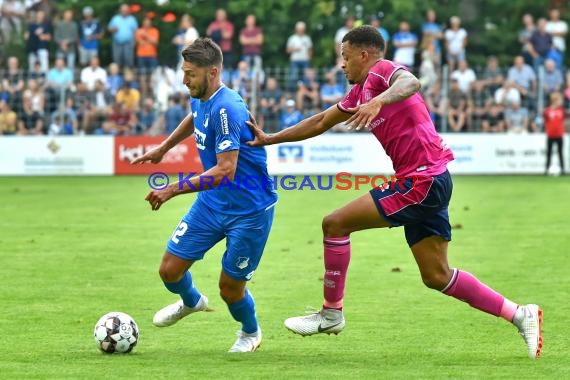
{"x":244,"y":311}
{"x":185,"y":288}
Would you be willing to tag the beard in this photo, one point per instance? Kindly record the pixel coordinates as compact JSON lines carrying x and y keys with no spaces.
{"x":200,"y":91}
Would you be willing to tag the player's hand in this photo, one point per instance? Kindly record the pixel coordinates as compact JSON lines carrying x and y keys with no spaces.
{"x":154,"y":155}
{"x":157,"y":197}
{"x":363,"y":115}
{"x":260,"y":137}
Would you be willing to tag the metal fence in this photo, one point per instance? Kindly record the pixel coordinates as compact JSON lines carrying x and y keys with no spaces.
{"x":277,"y":96}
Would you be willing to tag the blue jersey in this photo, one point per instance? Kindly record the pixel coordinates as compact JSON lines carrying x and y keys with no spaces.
{"x":219,"y":126}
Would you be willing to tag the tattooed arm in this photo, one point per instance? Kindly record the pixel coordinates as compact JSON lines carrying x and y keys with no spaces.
{"x":403,"y":84}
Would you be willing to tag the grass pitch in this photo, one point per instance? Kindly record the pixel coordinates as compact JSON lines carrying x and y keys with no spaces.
{"x":73,"y":249}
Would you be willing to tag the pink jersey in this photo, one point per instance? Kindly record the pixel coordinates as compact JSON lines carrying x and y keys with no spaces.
{"x":404,"y":128}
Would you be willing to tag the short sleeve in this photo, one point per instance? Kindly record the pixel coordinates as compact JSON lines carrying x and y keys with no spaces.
{"x":227,"y":127}
{"x":350,"y":100}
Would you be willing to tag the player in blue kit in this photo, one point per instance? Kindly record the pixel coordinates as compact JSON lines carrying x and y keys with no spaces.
{"x":241,"y":214}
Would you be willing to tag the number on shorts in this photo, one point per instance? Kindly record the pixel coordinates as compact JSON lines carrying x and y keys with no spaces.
{"x":182,"y":227}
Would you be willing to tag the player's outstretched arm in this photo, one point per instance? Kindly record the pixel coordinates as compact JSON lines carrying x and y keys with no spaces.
{"x":403,"y":84}
{"x":224,"y":170}
{"x":184,"y":129}
{"x":307,"y":128}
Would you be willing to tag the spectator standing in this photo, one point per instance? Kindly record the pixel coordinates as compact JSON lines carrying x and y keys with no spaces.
{"x":554,"y":117}
{"x":123,"y":26}
{"x":524,"y":37}
{"x":300,"y":50}
{"x":186,"y":34}
{"x":147,"y":38}
{"x":48,"y":7}
{"x":455,"y":42}
{"x":558,"y":29}
{"x":222,"y":32}
{"x":91,"y":32}
{"x":347,"y":27}
{"x":433,"y":32}
{"x":376,"y":22}
{"x":251,"y":40}
{"x":540,"y":44}
{"x":12,"y":15}
{"x":38,"y":36}
{"x":405,"y":43}
{"x":66,"y":36}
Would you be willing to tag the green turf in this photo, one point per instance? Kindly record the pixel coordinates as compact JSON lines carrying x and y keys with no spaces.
{"x":73,"y":249}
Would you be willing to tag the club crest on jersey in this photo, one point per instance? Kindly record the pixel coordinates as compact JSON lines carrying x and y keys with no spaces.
{"x":367,"y":95}
{"x":242,"y":262}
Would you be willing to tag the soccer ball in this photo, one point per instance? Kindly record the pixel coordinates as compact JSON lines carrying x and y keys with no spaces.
{"x":116,"y":332}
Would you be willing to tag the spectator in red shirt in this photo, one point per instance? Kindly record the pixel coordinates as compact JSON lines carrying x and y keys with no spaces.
{"x":222,"y":32}
{"x":554,"y":117}
{"x":251,"y":40}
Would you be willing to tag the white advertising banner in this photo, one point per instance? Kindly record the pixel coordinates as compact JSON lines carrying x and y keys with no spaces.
{"x":362,"y":154}
{"x":58,"y":155}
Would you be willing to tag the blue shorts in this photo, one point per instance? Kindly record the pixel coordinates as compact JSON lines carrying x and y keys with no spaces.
{"x":202,"y":228}
{"x":419,"y":204}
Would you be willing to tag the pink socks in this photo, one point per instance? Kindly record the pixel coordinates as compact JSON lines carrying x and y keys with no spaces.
{"x":467,"y":288}
{"x":337,"y":258}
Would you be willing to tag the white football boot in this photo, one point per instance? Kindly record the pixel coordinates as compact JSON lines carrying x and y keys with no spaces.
{"x":171,"y":314}
{"x":327,"y":321}
{"x":247,"y":342}
{"x":528,"y":319}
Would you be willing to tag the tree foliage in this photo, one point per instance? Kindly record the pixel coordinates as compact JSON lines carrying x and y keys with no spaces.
{"x":493,"y":25}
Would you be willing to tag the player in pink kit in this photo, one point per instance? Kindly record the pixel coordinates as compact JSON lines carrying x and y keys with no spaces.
{"x":385,"y":100}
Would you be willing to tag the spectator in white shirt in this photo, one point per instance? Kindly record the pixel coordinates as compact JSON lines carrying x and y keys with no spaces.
{"x":93,"y":73}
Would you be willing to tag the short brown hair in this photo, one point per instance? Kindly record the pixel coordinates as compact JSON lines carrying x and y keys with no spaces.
{"x":203,"y":52}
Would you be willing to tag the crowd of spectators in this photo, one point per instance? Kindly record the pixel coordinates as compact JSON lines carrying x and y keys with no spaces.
{"x":65,"y":90}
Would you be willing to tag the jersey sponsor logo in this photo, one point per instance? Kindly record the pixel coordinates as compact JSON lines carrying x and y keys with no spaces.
{"x":290,"y":153}
{"x":224,"y":145}
{"x":224,"y":121}
{"x":200,"y":138}
{"x":242,"y":262}
{"x":376,"y":123}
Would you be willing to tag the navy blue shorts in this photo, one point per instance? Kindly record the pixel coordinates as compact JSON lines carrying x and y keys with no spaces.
{"x":417,"y":203}
{"x":202,"y":228}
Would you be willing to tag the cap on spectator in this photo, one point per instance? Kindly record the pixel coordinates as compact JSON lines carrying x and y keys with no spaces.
{"x":290,"y":103}
{"x":87,"y":11}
